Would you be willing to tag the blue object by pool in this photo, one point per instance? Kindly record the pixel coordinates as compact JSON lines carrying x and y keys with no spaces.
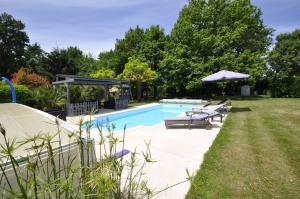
{"x":147,"y":116}
{"x":121,"y":153}
{"x":12,"y":89}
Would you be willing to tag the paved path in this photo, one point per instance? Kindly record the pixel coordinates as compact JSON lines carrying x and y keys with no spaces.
{"x":175,"y":150}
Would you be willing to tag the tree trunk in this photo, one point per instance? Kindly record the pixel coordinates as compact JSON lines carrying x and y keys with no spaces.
{"x":139,"y":90}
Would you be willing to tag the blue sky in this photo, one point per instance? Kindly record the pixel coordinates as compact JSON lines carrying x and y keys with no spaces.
{"x":94,"y":25}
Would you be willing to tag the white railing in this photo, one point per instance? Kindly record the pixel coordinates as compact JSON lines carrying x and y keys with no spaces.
{"x":82,"y":108}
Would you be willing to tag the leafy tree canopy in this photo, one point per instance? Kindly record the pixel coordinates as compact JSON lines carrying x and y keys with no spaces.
{"x":286,"y":54}
{"x":63,"y":61}
{"x":213,"y":35}
{"x":104,"y":73}
{"x":34,"y":56}
{"x":147,"y":45}
{"x":13,"y":40}
{"x":284,"y":60}
{"x":139,"y":72}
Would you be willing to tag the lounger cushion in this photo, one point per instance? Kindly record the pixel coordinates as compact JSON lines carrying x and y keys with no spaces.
{"x":188,"y":118}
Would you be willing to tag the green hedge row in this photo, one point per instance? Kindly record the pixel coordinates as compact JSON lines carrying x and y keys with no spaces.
{"x":22,"y":92}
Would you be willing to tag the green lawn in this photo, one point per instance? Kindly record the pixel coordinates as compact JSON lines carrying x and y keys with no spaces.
{"x":256,"y":154}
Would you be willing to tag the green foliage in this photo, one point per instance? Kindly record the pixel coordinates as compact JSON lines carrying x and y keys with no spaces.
{"x":147,"y":45}
{"x":67,"y":168}
{"x":46,"y":98}
{"x":295,"y":87}
{"x":285,"y":63}
{"x":22,"y":92}
{"x":88,"y":64}
{"x":214,"y":35}
{"x":109,"y":60}
{"x":63,"y":61}
{"x":128,"y":47}
{"x":103,"y":73}
{"x":13,"y":41}
{"x":34,"y":56}
{"x":138,"y":72}
{"x":153,"y":46}
{"x":86,"y":93}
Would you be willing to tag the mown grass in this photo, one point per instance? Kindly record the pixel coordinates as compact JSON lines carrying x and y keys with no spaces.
{"x":256,"y":154}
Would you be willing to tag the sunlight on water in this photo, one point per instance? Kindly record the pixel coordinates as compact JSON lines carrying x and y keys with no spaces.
{"x":147,"y":116}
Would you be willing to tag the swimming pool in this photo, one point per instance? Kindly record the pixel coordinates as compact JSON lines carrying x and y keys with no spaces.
{"x":146,"y":116}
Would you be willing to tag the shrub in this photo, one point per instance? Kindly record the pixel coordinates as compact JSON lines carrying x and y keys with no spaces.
{"x":46,"y":98}
{"x":86,"y":93}
{"x":27,"y":77}
{"x":22,"y":92}
{"x":295,"y":87}
{"x":103,"y":73}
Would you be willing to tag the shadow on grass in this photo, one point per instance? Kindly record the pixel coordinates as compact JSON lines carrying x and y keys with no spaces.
{"x":250,"y":98}
{"x":193,"y":127}
{"x":240,"y":109}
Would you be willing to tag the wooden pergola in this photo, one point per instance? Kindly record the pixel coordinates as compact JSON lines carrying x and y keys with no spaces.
{"x":67,"y":80}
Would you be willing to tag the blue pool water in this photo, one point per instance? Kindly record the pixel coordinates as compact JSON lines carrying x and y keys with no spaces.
{"x":147,"y":116}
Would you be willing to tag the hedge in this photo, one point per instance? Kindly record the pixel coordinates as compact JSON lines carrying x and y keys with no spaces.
{"x":22,"y":92}
{"x":295,"y":87}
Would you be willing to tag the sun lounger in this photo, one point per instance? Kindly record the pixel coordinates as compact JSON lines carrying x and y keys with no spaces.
{"x":209,"y":108}
{"x":191,"y":120}
{"x":214,"y":113}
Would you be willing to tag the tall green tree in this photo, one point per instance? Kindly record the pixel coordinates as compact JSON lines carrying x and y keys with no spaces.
{"x":138,"y":72}
{"x":13,"y":40}
{"x":152,"y":51}
{"x":34,"y":56}
{"x":284,"y":60}
{"x":153,"y":46}
{"x":213,"y":35}
{"x":87,"y":65}
{"x":127,"y":47}
{"x":108,"y":60}
{"x":63,"y":61}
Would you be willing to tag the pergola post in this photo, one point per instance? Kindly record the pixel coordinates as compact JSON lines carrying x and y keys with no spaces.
{"x":106,"y":92}
{"x":122,"y":91}
{"x":67,"y":92}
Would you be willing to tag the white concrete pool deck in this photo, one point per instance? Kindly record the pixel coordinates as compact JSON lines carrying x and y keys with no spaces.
{"x":175,"y":151}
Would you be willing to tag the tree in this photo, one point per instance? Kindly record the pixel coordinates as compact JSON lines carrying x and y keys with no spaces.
{"x":152,"y":51}
{"x":153,"y":46}
{"x":27,"y":77}
{"x":108,"y":60}
{"x":63,"y":61}
{"x":104,"y":73}
{"x":13,"y":40}
{"x":284,"y":60}
{"x":34,"y":56}
{"x":87,"y":65}
{"x":213,"y":35}
{"x":128,"y":47}
{"x":138,"y":72}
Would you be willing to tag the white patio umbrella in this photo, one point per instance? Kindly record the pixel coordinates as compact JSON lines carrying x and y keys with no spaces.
{"x":225,"y":75}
